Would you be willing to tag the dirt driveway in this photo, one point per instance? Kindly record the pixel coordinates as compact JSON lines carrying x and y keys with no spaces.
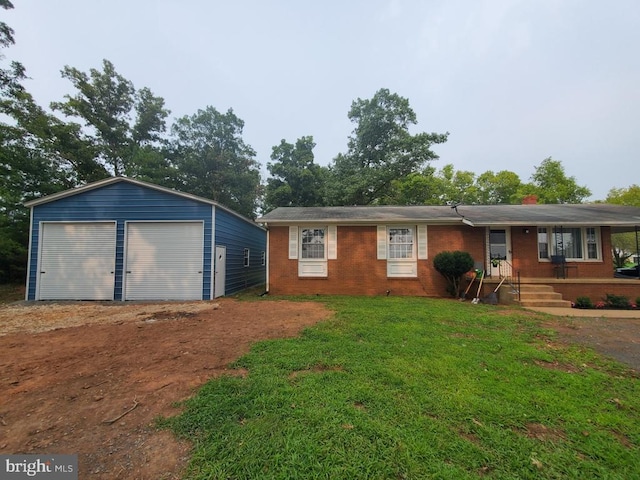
{"x":89,"y":378}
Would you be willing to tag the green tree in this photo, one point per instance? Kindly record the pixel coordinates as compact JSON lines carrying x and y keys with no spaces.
{"x":447,"y":185}
{"x":105,"y":102}
{"x":624,"y":196}
{"x":14,"y":73}
{"x":296,"y":181}
{"x":624,"y":245}
{"x":457,"y":186}
{"x":380,"y":150}
{"x":25,"y":169}
{"x":419,"y":188}
{"x":214,"y":161}
{"x":25,"y":173}
{"x":551,"y":185}
{"x":497,"y":188}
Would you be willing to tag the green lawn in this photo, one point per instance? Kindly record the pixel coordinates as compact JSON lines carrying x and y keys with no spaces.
{"x":410,"y":388}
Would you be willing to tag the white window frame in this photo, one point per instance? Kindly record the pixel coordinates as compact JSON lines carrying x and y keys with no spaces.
{"x":552,"y":246}
{"x":402,"y":267}
{"x":313,"y":267}
{"x":312,"y":244}
{"x":247,"y":257}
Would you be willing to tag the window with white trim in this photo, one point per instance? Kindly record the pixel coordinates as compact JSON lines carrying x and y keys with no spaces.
{"x":402,"y":246}
{"x":543,"y":243}
{"x":312,"y":246}
{"x":247,"y":257}
{"x":575,"y":243}
{"x":312,"y":243}
{"x":401,"y":242}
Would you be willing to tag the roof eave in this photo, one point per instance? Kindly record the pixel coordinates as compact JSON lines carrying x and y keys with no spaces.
{"x":108,"y":181}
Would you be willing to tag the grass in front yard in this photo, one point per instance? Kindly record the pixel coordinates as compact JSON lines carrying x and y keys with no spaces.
{"x":395,"y":388}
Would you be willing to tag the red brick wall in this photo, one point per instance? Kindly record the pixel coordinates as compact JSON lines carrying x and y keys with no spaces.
{"x":598,"y":291}
{"x":357,"y":271}
{"x":525,"y":257}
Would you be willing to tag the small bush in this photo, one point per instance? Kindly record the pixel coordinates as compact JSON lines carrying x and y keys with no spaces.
{"x":616,"y":301}
{"x":584,"y":302}
{"x":452,"y":266}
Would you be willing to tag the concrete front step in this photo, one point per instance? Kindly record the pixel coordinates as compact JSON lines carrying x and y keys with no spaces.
{"x":541,"y":296}
{"x":546,"y":303}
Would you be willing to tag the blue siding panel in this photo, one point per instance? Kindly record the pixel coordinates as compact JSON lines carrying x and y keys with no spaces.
{"x":236,"y":235}
{"x":122,"y":202}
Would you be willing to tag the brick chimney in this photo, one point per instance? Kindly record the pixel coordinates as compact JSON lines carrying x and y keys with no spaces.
{"x":530,"y":200}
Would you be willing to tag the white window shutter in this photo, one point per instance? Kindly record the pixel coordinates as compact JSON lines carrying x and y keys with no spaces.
{"x":332,"y":242}
{"x":422,"y":242}
{"x":293,"y":243}
{"x":382,"y":242}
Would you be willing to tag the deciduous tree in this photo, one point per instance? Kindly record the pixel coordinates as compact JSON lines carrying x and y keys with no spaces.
{"x":381,"y":149}
{"x":551,"y":185}
{"x":296,"y":181}
{"x":624,"y":245}
{"x":117,"y":119}
{"x":214,"y":161}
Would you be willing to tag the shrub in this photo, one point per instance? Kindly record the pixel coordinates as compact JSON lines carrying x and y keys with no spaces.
{"x":452,"y":266}
{"x":616,"y":301}
{"x":584,"y":302}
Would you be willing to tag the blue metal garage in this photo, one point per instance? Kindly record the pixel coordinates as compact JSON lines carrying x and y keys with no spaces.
{"x":124,"y":239}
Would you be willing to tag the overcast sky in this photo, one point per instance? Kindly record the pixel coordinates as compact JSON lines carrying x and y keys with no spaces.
{"x":513,"y":81}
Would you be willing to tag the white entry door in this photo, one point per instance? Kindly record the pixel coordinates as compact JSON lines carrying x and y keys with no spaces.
{"x":220,"y":266}
{"x":500,"y":260}
{"x":164,"y":261}
{"x":77,"y":261}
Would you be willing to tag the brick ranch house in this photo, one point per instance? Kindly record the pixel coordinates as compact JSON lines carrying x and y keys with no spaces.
{"x":389,"y":250}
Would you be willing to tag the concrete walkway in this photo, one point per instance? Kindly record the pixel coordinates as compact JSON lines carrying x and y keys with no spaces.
{"x":595,"y":312}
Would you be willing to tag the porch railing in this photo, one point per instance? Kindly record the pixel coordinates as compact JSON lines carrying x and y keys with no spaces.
{"x":510,"y":275}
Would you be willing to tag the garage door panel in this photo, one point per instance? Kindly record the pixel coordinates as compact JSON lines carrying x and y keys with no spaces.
{"x":164,"y":261}
{"x":77,"y":261}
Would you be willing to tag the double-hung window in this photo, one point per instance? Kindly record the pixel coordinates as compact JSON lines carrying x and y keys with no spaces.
{"x":401,"y":243}
{"x":312,"y":246}
{"x":312,"y":243}
{"x":401,"y":246}
{"x":574,"y":243}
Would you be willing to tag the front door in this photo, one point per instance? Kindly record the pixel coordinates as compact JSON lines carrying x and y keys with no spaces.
{"x":220,"y":271}
{"x":499,"y":261}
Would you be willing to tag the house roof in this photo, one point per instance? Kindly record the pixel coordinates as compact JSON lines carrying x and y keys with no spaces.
{"x":620,"y":217}
{"x":112,"y":180}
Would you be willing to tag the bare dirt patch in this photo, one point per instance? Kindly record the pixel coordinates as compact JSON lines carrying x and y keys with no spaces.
{"x":89,"y":379}
{"x":544,"y":433}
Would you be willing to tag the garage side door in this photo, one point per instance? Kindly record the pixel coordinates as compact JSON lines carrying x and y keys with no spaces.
{"x":164,"y":261}
{"x":77,"y":261}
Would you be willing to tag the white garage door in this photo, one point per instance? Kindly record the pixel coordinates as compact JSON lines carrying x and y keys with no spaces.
{"x":164,"y":261}
{"x":77,"y":261}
